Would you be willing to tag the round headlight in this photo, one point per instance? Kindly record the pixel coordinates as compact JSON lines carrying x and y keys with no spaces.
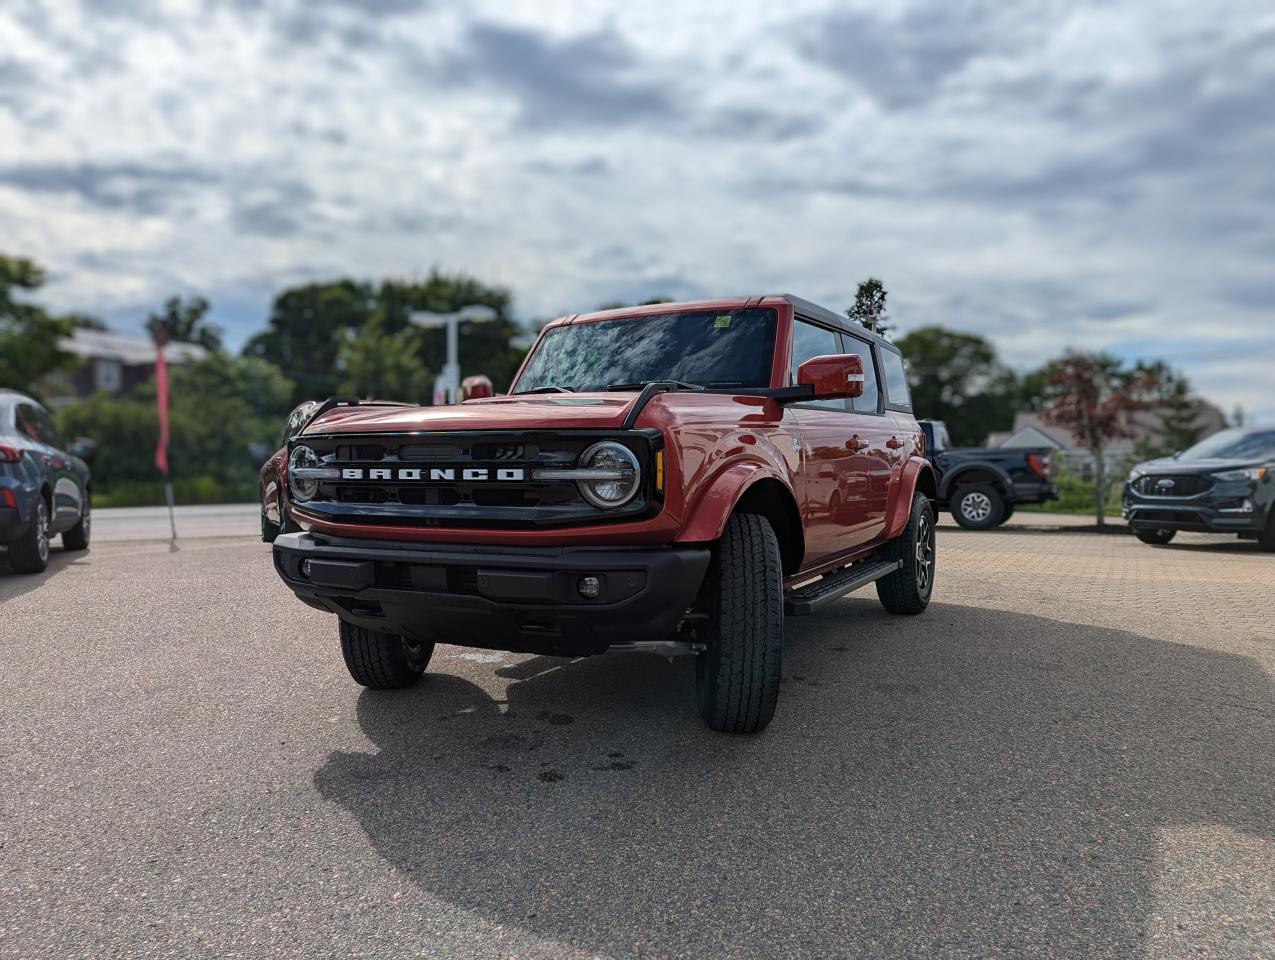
{"x":302,"y":456}
{"x":618,"y":474}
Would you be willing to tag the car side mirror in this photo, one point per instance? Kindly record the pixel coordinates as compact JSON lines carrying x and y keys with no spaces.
{"x":834,"y":376}
{"x":84,"y":448}
{"x":476,"y":387}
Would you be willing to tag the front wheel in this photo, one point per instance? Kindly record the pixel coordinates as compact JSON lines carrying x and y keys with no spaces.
{"x":383,"y":661}
{"x":1266,"y":539}
{"x":737,"y":677}
{"x":908,"y":589}
{"x":1157,"y":537}
{"x":77,"y":538}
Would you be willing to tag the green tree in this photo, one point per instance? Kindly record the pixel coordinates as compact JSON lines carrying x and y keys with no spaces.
{"x":958,"y":378}
{"x":1092,"y":395}
{"x":868,"y":308}
{"x":225,"y":414}
{"x":305,"y":331}
{"x":29,"y":337}
{"x":183,"y":320}
{"x":384,"y":366}
{"x":1178,"y":409}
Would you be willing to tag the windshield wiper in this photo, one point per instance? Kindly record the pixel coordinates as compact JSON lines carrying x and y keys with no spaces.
{"x":551,"y":388}
{"x":642,"y":384}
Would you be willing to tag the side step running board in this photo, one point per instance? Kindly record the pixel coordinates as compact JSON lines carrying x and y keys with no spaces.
{"x":807,"y":599}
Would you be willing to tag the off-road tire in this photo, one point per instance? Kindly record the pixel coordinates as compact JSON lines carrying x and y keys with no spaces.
{"x":77,"y":538}
{"x":30,"y":552}
{"x":978,"y":506}
{"x":269,"y":530}
{"x":1154,"y":535}
{"x":382,"y":661}
{"x":1266,"y":539}
{"x":737,"y":677}
{"x":908,"y":589}
{"x":1006,"y":513}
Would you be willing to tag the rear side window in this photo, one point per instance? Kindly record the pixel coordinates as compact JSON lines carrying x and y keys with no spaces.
{"x":810,"y":341}
{"x":896,"y":380}
{"x":26,"y":422}
{"x":869,"y":400}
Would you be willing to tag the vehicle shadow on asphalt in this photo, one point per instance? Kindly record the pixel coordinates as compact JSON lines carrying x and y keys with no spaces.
{"x":15,"y":584}
{"x":969,"y":782}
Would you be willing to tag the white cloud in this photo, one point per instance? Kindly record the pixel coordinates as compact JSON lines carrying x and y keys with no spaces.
{"x":1069,"y":174}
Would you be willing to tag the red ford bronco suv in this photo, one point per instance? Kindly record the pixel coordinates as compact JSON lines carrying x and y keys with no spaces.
{"x":673,"y":478}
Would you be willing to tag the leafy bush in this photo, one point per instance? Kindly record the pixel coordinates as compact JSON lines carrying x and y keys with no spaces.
{"x":1076,"y":494}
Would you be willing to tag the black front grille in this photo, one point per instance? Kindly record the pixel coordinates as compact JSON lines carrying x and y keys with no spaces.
{"x":457,"y":502}
{"x":1171,"y":485}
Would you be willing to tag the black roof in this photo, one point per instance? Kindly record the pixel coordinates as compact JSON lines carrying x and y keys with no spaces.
{"x":839,"y":320}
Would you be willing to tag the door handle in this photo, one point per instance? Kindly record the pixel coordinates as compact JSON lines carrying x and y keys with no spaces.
{"x":894,"y":443}
{"x":854,"y":443}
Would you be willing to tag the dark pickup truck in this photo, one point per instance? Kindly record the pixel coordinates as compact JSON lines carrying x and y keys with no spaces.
{"x":981,"y":485}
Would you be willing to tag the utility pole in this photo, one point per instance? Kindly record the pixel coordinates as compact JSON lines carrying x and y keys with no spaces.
{"x":447,"y":385}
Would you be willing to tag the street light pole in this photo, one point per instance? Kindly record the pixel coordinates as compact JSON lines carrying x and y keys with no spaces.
{"x":449,"y":378}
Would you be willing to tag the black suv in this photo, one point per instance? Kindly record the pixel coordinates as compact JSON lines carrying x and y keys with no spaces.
{"x":1223,"y":484}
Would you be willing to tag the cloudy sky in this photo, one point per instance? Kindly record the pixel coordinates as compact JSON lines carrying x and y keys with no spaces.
{"x":1047,"y":174}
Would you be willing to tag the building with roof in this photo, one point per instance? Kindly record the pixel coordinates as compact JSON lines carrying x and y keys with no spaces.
{"x":113,"y":362}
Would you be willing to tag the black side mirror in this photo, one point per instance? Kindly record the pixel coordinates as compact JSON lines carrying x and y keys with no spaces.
{"x":84,"y":448}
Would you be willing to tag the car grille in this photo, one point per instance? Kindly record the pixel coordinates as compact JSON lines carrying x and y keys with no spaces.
{"x":1171,"y":485}
{"x":458,"y":502}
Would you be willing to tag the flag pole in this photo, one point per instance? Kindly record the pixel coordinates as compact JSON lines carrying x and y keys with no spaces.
{"x":161,"y":405}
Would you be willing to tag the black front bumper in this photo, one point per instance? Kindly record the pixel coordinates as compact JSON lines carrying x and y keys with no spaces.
{"x":502,"y":598}
{"x":1200,"y":514}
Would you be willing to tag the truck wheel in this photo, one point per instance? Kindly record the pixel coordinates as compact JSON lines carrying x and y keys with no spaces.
{"x":30,"y":552}
{"x":77,"y":538}
{"x":269,"y":530}
{"x":977,"y":506}
{"x":383,"y":661}
{"x":1151,"y":535}
{"x":1007,"y":513}
{"x":1266,"y":539}
{"x":908,"y":589}
{"x":737,"y":677}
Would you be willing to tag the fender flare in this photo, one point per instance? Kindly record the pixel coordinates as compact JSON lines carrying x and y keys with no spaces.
{"x":949,"y":480}
{"x":706,"y":520}
{"x":917,"y":471}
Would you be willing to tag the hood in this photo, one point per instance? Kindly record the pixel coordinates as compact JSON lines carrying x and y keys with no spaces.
{"x":566,"y":411}
{"x":1169,"y":465}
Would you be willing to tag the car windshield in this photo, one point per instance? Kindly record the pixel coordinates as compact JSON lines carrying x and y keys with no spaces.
{"x":717,"y":348}
{"x":1235,"y":444}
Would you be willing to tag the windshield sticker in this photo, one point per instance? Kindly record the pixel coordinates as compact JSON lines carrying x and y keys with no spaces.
{"x":722,"y":322}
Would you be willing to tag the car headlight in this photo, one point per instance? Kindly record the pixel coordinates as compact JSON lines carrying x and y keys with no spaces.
{"x":1134,"y":474}
{"x":1248,"y":473}
{"x":608,"y":474}
{"x":301,"y":461}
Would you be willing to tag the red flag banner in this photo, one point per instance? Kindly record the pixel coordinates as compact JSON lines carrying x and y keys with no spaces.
{"x":161,"y":402}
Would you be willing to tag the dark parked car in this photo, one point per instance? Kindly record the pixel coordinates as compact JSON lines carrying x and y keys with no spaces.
{"x":44,"y":485}
{"x":981,"y":485}
{"x":1223,"y":484}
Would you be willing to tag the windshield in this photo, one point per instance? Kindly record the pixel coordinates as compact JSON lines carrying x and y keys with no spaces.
{"x":1233,"y":444}
{"x":718,"y":348}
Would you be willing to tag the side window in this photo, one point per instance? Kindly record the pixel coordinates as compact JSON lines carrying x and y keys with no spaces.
{"x":25,"y":418}
{"x":49,"y":433}
{"x":811,"y":341}
{"x":896,"y":381}
{"x":869,"y":400}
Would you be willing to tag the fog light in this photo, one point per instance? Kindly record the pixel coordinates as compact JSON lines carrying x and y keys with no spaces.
{"x":305,"y":569}
{"x":589,"y":587}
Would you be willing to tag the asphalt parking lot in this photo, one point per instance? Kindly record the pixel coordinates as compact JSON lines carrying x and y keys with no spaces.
{"x":1071,"y":754}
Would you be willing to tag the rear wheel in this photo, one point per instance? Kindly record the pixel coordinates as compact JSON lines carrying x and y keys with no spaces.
{"x":909,"y":588}
{"x":737,"y":677}
{"x":978,"y":506}
{"x":30,"y":552}
{"x":383,"y":661}
{"x":77,"y":538}
{"x":1007,"y":513}
{"x":1159,"y":537}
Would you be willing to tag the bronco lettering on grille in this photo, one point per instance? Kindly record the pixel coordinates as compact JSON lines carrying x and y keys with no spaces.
{"x":436,"y":474}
